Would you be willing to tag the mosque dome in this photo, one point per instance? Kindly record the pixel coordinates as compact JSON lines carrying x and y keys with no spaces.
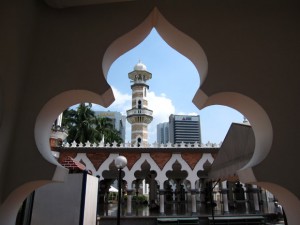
{"x":140,"y":67}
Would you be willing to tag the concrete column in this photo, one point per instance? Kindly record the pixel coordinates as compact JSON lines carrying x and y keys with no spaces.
{"x":162,"y":202}
{"x":174,"y":203}
{"x":193,"y":200}
{"x":152,"y":189}
{"x":224,"y":191}
{"x":255,"y":197}
{"x":129,"y":202}
{"x":201,"y":192}
{"x":246,"y":198}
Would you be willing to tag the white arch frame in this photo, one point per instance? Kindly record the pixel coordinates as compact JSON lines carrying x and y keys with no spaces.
{"x":194,"y":52}
{"x":137,"y":166}
{"x":191,"y":49}
{"x":259,"y":120}
{"x":192,"y":176}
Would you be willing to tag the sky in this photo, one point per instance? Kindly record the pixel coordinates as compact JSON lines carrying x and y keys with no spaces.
{"x":174,"y":83}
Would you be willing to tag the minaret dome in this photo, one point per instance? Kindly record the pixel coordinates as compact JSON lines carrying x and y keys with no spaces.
{"x":140,"y":67}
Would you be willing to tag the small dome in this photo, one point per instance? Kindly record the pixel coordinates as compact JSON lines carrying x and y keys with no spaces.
{"x":140,"y":66}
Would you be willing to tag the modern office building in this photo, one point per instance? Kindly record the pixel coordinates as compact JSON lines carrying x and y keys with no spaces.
{"x":162,"y":133}
{"x":118,"y":121}
{"x":184,"y":128}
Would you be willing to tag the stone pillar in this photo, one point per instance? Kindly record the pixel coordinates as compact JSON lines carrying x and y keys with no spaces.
{"x":162,"y":202}
{"x":255,"y":197}
{"x":129,"y":201}
{"x":224,"y":191}
{"x":246,"y":198}
{"x":152,"y":189}
{"x":202,"y":191}
{"x":193,"y":200}
{"x":174,"y":203}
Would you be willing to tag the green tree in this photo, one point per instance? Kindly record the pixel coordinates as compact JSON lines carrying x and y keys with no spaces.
{"x":104,"y":126}
{"x":83,"y":125}
{"x":80,"y":124}
{"x":105,"y":129}
{"x":113,"y":136}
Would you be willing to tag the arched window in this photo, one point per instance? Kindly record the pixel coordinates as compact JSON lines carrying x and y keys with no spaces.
{"x":139,"y":140}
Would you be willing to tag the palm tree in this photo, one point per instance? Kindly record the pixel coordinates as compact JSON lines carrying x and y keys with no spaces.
{"x":83,"y":126}
{"x":80,"y":124}
{"x":113,"y":136}
{"x":105,"y":128}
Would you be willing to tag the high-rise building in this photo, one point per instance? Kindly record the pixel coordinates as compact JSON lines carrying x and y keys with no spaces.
{"x":184,"y":128}
{"x":163,"y":133}
{"x":118,"y":121}
{"x":139,"y":116}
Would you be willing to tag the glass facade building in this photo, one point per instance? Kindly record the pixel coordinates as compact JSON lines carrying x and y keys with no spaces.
{"x":163,"y":133}
{"x":184,"y":128}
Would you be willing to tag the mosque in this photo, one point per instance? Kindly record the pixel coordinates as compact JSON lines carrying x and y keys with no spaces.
{"x":173,"y":177}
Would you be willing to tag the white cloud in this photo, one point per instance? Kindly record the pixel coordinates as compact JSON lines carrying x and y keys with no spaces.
{"x":161,"y":105}
{"x":121,"y":104}
{"x":189,"y":114}
{"x":122,"y":101}
{"x":162,"y":108}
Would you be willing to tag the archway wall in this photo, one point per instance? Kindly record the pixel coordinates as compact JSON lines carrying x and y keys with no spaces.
{"x":288,"y":200}
{"x":97,"y":165}
{"x":53,"y":60}
{"x":192,"y":175}
{"x":257,"y":117}
{"x":254,"y":58}
{"x":252,"y":48}
{"x":10,"y":208}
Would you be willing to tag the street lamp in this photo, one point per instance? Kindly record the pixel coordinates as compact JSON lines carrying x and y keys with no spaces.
{"x":120,"y":163}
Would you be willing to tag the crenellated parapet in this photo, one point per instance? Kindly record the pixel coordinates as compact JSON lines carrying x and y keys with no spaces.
{"x":132,"y":145}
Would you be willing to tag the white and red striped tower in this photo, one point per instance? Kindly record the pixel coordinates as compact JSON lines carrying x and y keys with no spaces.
{"x":139,"y":116}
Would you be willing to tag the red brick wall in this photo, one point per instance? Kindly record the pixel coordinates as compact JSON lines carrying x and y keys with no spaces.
{"x":161,"y":158}
{"x":97,"y":158}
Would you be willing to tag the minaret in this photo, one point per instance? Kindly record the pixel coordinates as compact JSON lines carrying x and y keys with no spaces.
{"x":139,"y":116}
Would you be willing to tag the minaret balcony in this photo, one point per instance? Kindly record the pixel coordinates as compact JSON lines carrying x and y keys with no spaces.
{"x":142,"y":82}
{"x":139,"y":112}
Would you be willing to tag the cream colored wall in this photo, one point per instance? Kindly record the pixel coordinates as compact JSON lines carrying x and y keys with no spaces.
{"x":53,"y":200}
{"x":60,"y":203}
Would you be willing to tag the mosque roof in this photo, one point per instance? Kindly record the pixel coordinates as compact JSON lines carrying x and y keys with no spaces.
{"x":72,"y":164}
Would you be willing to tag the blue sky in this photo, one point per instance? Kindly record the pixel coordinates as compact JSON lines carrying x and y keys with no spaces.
{"x":171,"y":90}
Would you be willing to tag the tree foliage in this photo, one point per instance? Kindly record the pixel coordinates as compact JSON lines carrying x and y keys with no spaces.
{"x":83,"y":125}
